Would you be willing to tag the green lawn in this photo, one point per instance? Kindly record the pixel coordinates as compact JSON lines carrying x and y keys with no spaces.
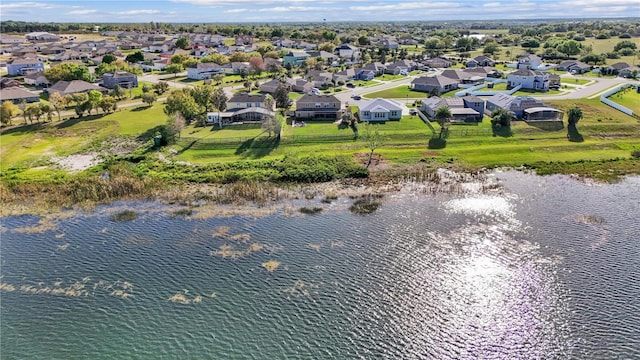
{"x":527,"y":92}
{"x":629,"y":98}
{"x":576,"y":81}
{"x":32,"y":144}
{"x":389,"y":77}
{"x":400,"y":92}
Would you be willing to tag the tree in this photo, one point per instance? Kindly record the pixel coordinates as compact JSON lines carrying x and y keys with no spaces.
{"x":160,"y":87}
{"x":281,"y":97}
{"x":373,"y":140}
{"x":239,"y":57}
{"x":328,"y":47}
{"x":46,"y":109}
{"x":33,"y":111}
{"x":530,"y":42}
{"x":109,"y":58}
{"x":443,"y":116}
{"x":219,"y":99}
{"x":625,"y":44}
{"x":180,"y":58}
{"x":183,"y":43}
{"x":57,"y":102}
{"x":149,"y":98}
{"x":491,"y":48}
{"x":203,"y":96}
{"x":173,"y":127}
{"x":181,"y":101}
{"x":218,"y":78}
{"x":135,"y":57}
{"x":574,"y":115}
{"x":174,"y":69}
{"x":68,"y":72}
{"x":215,"y":58}
{"x":94,"y":97}
{"x":79,"y":98}
{"x":108,"y":104}
{"x":7,"y":111}
{"x":117,"y":92}
{"x":273,"y":124}
{"x":256,"y":65}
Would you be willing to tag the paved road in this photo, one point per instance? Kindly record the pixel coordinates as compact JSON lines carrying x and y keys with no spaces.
{"x":586,"y":91}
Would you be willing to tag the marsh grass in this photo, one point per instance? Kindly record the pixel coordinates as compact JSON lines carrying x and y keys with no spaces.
{"x":232,"y":252}
{"x":125,"y":215}
{"x":310,"y":211}
{"x":271,"y":265}
{"x":182,"y":213}
{"x":366,"y":204}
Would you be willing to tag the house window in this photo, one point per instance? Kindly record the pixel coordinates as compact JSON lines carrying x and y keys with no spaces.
{"x":394,"y":113}
{"x":318,"y":105}
{"x":257,"y":105}
{"x":366,"y":114}
{"x":248,"y":105}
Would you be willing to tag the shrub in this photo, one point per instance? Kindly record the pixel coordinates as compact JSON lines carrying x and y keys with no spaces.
{"x":126,"y":215}
{"x":310,"y":211}
{"x":636,"y":153}
{"x":437,"y":143}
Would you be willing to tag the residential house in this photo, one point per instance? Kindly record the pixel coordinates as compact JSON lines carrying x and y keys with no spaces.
{"x":236,"y":68}
{"x":319,"y":78}
{"x":380,"y":110}
{"x":42,"y":36}
{"x":17,"y":94}
{"x":327,"y":57}
{"x":123,"y":79}
{"x":311,"y":106}
{"x":629,"y":72}
{"x":244,"y":107}
{"x":295,"y":58}
{"x":345,"y":75}
{"x":244,"y":39}
{"x":574,"y":67}
{"x":7,"y":82}
{"x":36,"y":79}
{"x":73,"y":87}
{"x":528,"y":79}
{"x":480,"y":61}
{"x":300,"y":85}
{"x":484,"y":71}
{"x":201,"y":71}
{"x":271,"y":86}
{"x":615,"y":68}
{"x":378,"y":68}
{"x":347,"y":51}
{"x":389,"y":43}
{"x":438,"y":62}
{"x":24,"y":66}
{"x":436,"y":84}
{"x":463,"y":109}
{"x":272,"y":65}
{"x":463,"y":76}
{"x":364,"y":74}
{"x":400,"y":67}
{"x":529,"y":62}
{"x":517,"y":105}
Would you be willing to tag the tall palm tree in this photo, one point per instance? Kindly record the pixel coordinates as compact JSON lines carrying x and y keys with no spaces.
{"x":443,"y":116}
{"x":574,"y":115}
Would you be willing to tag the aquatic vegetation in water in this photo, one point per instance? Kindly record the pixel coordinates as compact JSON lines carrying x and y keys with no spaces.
{"x":81,"y":288}
{"x":227,"y":251}
{"x":300,"y":288}
{"x":184,"y":299}
{"x":221,"y":231}
{"x":45,"y":224}
{"x":310,"y":211}
{"x":126,"y":215}
{"x":367,"y":204}
{"x":63,"y":247}
{"x":182,"y":213}
{"x":7,"y":287}
{"x":244,"y":237}
{"x":59,"y":236}
{"x":315,"y":247}
{"x":271,"y":265}
{"x":589,"y":219}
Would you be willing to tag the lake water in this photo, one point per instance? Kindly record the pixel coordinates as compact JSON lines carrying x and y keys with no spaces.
{"x":544,"y":268}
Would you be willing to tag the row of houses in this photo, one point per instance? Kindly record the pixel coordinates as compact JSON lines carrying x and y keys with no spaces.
{"x":472,"y":108}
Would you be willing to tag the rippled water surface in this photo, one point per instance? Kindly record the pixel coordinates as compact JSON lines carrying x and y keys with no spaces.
{"x":544,"y":268}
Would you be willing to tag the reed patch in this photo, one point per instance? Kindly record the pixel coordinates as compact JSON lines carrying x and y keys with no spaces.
{"x":271,"y":265}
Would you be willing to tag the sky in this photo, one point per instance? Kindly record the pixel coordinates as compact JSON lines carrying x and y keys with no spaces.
{"x":217,"y":11}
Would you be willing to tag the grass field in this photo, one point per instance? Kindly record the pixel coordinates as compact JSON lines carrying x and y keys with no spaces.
{"x":629,"y":98}
{"x":400,"y":92}
{"x":575,"y":81}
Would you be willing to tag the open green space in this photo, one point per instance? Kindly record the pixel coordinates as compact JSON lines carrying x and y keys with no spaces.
{"x":628,"y":98}
{"x":574,"y":81}
{"x":389,"y":77}
{"x":400,"y":92}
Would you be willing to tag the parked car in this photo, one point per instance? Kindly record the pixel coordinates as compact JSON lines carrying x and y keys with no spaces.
{"x":351,"y":85}
{"x":356,"y":97}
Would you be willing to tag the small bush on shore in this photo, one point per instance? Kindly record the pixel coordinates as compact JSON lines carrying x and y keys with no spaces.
{"x":310,"y":211}
{"x":367,"y":204}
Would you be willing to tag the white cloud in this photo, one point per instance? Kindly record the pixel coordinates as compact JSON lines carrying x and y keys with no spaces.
{"x":405,"y":6}
{"x":137,"y":12}
{"x":82,"y":12}
{"x":293,"y":8}
{"x":26,"y":5}
{"x":235,"y":11}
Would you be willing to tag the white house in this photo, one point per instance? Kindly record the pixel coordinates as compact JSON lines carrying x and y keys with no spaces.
{"x":380,"y":110}
{"x":201,"y":71}
{"x":529,"y":79}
